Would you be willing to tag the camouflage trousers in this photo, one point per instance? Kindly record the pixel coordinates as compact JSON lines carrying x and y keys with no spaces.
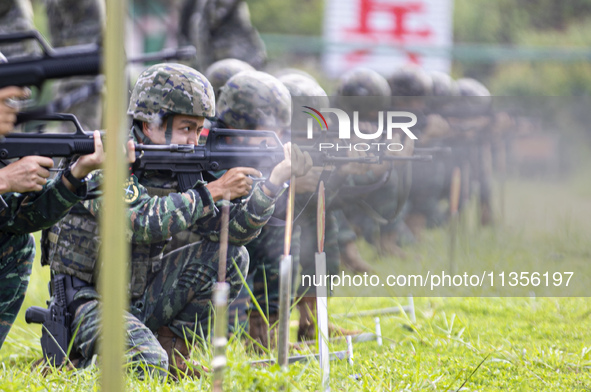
{"x":178,"y":296}
{"x":16,"y":261}
{"x":428,"y":187}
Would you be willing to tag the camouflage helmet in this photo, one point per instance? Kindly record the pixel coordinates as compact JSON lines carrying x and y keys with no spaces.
{"x":410,"y":82}
{"x":363,"y":82}
{"x":290,"y":71}
{"x":219,"y":72}
{"x":469,"y":87}
{"x":169,"y":88}
{"x":443,"y":85}
{"x":475,"y":98}
{"x":254,"y":99}
{"x":302,"y":86}
{"x":305,"y":91}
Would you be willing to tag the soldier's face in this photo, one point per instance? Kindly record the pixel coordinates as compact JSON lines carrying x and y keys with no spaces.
{"x":185,"y":130}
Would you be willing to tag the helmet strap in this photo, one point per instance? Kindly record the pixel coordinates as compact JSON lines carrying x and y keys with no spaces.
{"x":168,"y":134}
{"x":139,"y":134}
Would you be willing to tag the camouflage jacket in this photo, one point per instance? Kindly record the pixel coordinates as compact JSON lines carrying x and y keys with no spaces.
{"x":33,"y":211}
{"x":74,"y":242}
{"x":246,"y":218}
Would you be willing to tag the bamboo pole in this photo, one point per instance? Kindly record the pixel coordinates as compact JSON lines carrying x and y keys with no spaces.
{"x":114,"y":226}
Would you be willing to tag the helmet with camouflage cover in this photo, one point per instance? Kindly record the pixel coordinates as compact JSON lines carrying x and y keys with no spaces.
{"x":290,"y":71}
{"x":302,"y":86}
{"x":443,"y":85}
{"x":363,"y":82}
{"x":253,"y":99}
{"x":219,"y":72}
{"x":165,"y":89}
{"x":410,"y":82}
{"x":469,"y":87}
{"x":305,"y":91}
{"x":475,"y":99}
{"x":364,"y":91}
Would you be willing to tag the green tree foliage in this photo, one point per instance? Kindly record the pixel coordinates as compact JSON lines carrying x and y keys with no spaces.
{"x":527,"y":23}
{"x":299,"y":17}
{"x":549,"y":77}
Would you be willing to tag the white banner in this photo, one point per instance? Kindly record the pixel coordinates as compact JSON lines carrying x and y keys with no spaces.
{"x":386,"y":34}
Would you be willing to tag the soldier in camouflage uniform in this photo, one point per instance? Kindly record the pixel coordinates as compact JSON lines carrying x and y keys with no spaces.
{"x":221,"y":29}
{"x":78,"y":22}
{"x":170,"y":287}
{"x":473,"y":126}
{"x":30,"y":203}
{"x":428,"y":185}
{"x":301,"y":84}
{"x":16,"y":16}
{"x":71,"y":22}
{"x":382,"y":220}
{"x":256,"y":100}
{"x":218,"y":29}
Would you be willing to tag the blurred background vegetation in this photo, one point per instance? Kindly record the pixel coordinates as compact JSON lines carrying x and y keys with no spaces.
{"x":516,"y":47}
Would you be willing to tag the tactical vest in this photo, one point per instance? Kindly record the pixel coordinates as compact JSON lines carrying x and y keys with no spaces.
{"x":72,"y":247}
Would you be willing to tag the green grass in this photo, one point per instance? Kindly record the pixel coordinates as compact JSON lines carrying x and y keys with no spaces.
{"x":477,"y":344}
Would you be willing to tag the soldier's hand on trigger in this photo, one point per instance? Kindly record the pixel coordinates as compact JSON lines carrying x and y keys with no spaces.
{"x":301,"y":162}
{"x":295,"y":163}
{"x":130,"y":151}
{"x":28,"y":174}
{"x":234,"y":183}
{"x":437,"y":127}
{"x":7,"y":112}
{"x":309,"y":182}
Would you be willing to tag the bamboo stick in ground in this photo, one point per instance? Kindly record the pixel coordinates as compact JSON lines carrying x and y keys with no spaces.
{"x":285,"y":282}
{"x":220,"y":302}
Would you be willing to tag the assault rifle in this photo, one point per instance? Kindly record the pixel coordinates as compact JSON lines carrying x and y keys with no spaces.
{"x":223,"y":150}
{"x":18,"y":145}
{"x":228,"y":148}
{"x":56,"y":63}
{"x":55,"y":337}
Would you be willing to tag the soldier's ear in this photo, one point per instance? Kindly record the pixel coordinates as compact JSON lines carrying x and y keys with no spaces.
{"x":148,"y":129}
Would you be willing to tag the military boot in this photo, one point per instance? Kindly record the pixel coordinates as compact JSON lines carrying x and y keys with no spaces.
{"x":259,"y":330}
{"x":351,"y":258}
{"x":307,"y":326}
{"x":179,"y":363}
{"x":389,"y":245}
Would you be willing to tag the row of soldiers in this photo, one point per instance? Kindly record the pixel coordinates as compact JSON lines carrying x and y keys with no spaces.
{"x":175,"y":235}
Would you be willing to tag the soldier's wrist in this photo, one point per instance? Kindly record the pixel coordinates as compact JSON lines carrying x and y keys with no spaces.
{"x":273,"y":190}
{"x":4,"y":185}
{"x":214,"y":191}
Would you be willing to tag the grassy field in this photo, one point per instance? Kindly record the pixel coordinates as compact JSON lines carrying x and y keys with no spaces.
{"x":469,"y":344}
